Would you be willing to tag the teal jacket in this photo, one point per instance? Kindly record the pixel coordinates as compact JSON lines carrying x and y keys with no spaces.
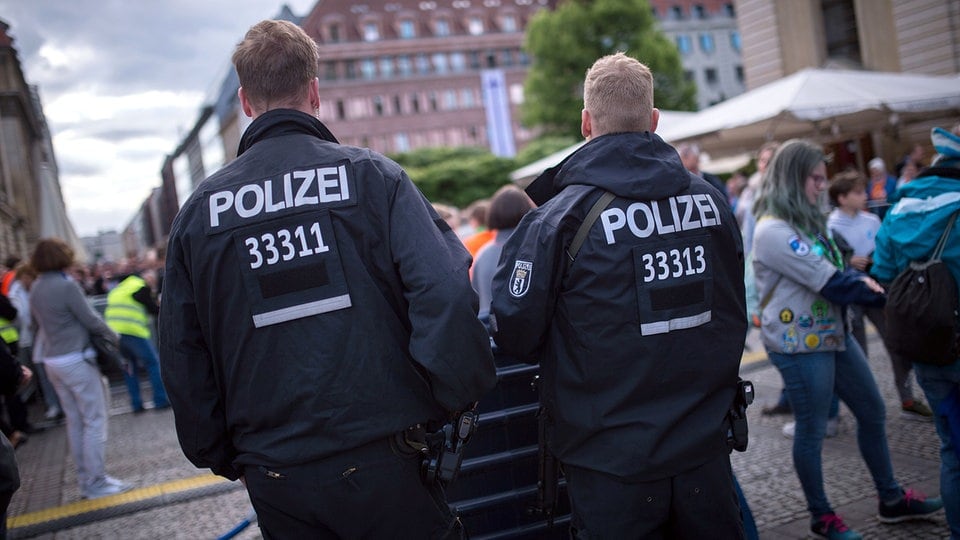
{"x":913,"y":225}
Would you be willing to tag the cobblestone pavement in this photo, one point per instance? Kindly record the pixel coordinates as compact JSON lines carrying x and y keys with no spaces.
{"x":143,"y":449}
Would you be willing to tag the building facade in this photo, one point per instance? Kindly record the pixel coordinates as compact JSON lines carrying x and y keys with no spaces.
{"x":31,"y":202}
{"x":781,"y":37}
{"x":708,"y":39}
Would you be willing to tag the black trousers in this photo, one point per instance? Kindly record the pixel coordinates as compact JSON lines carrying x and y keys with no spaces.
{"x":696,"y":504}
{"x":373,"y":491}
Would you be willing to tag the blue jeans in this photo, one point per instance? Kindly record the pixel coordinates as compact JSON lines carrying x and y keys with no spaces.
{"x":142,"y":355}
{"x":937,"y":382}
{"x":810,"y":380}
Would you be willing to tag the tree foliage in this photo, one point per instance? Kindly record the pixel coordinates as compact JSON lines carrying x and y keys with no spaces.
{"x":565,"y":42}
{"x":459,"y":176}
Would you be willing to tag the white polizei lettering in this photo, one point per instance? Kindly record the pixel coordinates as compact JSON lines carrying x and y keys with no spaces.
{"x":661,"y":228}
{"x":288,"y":190}
{"x":327,"y":178}
{"x":686,"y":224}
{"x":716,"y":213}
{"x":269,"y":205}
{"x":257,"y":198}
{"x":703,"y":205}
{"x":632,"y":220}
{"x":302,"y":199}
{"x":219,"y":202}
{"x":673,"y":210}
{"x":344,"y":185}
{"x":613,"y":219}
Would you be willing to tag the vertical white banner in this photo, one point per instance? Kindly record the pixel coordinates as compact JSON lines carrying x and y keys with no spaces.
{"x":496,"y":105}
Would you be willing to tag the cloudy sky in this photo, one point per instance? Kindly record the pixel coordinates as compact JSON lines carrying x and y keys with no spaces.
{"x":120,"y":83}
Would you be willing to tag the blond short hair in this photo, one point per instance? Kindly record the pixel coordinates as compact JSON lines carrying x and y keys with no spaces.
{"x":618,"y":94}
{"x":275,"y":63}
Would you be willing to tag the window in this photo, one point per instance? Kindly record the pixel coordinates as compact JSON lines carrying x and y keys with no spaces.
{"x":509,"y":23}
{"x":378,"y":105}
{"x":676,"y":13}
{"x":474,"y":59}
{"x":386,"y":67}
{"x":710,"y":74}
{"x":475,"y":26}
{"x":684,"y":44}
{"x":432,"y":100}
{"x":442,"y":28}
{"x":330,"y":71}
{"x":351,"y":69}
{"x":414,"y":103}
{"x":341,"y":110}
{"x":466,"y":98}
{"x":397,"y":108}
{"x":840,"y":29}
{"x":449,"y":100}
{"x":401,"y":143}
{"x":368,"y":68}
{"x":707,"y":45}
{"x":334,"y":32}
{"x":699,"y":12}
{"x":738,"y":71}
{"x":458,"y":62}
{"x":730,"y":11}
{"x":440,"y":62}
{"x":407,"y":29}
{"x":735,"y":41}
{"x":423,"y":64}
{"x":404,"y":66}
{"x":688,"y":75}
{"x":371,"y":32}
{"x":506,"y":57}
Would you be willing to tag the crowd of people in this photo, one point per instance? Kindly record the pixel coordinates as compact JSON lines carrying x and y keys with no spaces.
{"x":314,"y":349}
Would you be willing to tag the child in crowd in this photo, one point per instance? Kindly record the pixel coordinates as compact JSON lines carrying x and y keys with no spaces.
{"x":856,"y":229}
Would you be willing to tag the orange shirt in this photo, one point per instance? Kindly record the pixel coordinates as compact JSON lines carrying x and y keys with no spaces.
{"x":475,"y":241}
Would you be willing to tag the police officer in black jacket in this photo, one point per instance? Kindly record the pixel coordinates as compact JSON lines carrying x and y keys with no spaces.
{"x":638,"y":334}
{"x":314,"y":308}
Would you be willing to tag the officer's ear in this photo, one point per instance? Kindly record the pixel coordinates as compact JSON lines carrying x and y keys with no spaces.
{"x":654,"y":120}
{"x":245,"y":103}
{"x":586,"y":125}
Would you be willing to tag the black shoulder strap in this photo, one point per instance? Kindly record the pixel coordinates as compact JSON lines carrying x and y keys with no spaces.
{"x":588,"y":222}
{"x":942,"y":243}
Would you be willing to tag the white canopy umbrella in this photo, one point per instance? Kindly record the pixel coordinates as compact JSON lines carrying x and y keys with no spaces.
{"x":818,"y":103}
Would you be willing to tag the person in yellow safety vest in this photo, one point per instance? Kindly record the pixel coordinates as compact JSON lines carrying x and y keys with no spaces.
{"x":129,"y":306}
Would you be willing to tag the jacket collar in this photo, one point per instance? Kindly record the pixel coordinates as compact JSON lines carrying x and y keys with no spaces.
{"x":278,"y":122}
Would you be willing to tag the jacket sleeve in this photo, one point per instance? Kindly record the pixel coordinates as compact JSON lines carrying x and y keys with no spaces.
{"x":145,"y":297}
{"x":447,"y":340}
{"x":524,"y":288}
{"x":779,"y":248}
{"x":7,"y":310}
{"x":847,"y":287}
{"x":189,"y":374}
{"x":77,"y":303}
{"x":884,"y":266}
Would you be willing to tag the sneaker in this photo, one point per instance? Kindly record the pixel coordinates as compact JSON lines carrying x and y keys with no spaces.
{"x":779,"y":408}
{"x":832,"y":527}
{"x":106,"y":486}
{"x":916,"y":410}
{"x":913,"y":505}
{"x":833,"y":428}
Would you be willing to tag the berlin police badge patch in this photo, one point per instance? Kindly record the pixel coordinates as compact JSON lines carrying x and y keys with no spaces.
{"x":520,"y":279}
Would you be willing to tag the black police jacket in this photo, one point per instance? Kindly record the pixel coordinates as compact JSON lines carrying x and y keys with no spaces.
{"x":313,"y":302}
{"x":639,"y":338}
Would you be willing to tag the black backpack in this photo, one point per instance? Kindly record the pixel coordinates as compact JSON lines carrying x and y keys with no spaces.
{"x":923,"y":316}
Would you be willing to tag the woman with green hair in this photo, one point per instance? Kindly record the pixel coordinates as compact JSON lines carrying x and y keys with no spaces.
{"x":804,"y":288}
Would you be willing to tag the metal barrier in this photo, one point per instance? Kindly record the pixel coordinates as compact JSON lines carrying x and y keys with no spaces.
{"x":497,"y":486}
